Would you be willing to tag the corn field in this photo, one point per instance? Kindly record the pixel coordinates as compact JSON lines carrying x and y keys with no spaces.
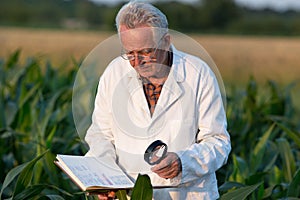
{"x":36,"y":123}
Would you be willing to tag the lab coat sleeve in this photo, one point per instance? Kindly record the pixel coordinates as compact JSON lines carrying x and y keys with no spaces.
{"x":99,"y":136}
{"x":212,"y":146}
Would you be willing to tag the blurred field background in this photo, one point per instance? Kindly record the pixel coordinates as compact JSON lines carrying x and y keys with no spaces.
{"x":255,"y":49}
{"x":243,"y":41}
{"x":237,"y":56}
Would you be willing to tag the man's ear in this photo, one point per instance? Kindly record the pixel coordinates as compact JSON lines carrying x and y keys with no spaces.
{"x":167,"y":40}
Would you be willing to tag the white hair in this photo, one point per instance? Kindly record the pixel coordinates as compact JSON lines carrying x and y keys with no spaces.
{"x":140,"y":14}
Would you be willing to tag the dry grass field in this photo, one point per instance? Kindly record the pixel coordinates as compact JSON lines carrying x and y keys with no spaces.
{"x":237,"y":57}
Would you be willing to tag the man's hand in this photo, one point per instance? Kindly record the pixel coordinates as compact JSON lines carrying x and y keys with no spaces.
{"x":169,"y":167}
{"x":107,"y":196}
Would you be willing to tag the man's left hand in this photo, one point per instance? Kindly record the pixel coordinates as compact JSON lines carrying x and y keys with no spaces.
{"x":169,"y":167}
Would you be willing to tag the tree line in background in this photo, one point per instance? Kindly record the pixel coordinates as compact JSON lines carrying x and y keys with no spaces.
{"x":218,"y":16}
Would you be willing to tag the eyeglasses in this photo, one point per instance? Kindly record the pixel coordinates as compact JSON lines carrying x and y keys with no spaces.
{"x":144,"y":54}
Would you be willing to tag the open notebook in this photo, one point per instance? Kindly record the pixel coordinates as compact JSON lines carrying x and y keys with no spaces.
{"x":90,"y":173}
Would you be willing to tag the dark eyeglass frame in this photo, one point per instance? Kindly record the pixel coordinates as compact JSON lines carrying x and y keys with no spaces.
{"x":144,"y":54}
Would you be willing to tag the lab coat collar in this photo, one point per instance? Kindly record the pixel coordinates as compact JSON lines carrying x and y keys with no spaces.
{"x":177,"y":69}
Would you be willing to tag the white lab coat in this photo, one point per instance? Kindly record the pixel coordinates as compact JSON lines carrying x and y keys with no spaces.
{"x":122,"y":127}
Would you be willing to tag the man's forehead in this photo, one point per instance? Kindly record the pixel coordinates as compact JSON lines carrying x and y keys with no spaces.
{"x":137,"y":38}
{"x":136,"y":33}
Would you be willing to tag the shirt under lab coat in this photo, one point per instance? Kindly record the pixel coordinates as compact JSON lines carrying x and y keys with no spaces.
{"x":189,"y":117}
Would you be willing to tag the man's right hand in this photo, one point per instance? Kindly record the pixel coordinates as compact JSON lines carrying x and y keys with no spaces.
{"x":169,"y":167}
{"x":107,"y":196}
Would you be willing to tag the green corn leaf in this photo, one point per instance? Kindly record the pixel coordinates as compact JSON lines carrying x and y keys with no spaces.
{"x":294,"y":187}
{"x":27,"y":83}
{"x":276,"y":175}
{"x":251,"y":101}
{"x":294,"y":136}
{"x":240,"y":170}
{"x":260,"y":192}
{"x":228,"y":185}
{"x":30,"y":192}
{"x":54,"y":197}
{"x":271,"y":156}
{"x":268,"y":191}
{"x":288,"y":160}
{"x":12,"y":175}
{"x":42,"y":125}
{"x":262,"y":142}
{"x":60,"y":190}
{"x":49,"y":169}
{"x":241,"y":193}
{"x":13,"y":77}
{"x":259,"y":150}
{"x":255,"y":178}
{"x":142,"y":189}
{"x":28,"y":94}
{"x":121,"y":194}
{"x":13,"y":59}
{"x":26,"y":174}
{"x":49,"y":139}
{"x":2,"y":107}
{"x":11,"y":110}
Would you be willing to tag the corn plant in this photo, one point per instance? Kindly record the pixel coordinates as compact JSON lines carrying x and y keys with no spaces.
{"x":36,"y":123}
{"x":35,"y":117}
{"x":264,"y":162}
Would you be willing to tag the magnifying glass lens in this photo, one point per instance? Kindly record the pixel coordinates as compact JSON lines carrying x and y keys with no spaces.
{"x":155,"y":152}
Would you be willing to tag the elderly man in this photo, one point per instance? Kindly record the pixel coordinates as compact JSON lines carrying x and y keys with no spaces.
{"x":154,"y":92}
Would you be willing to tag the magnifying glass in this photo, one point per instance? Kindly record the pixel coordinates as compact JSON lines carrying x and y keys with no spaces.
{"x":155,"y":152}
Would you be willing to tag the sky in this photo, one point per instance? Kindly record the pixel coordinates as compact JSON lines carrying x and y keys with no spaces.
{"x":280,"y":5}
